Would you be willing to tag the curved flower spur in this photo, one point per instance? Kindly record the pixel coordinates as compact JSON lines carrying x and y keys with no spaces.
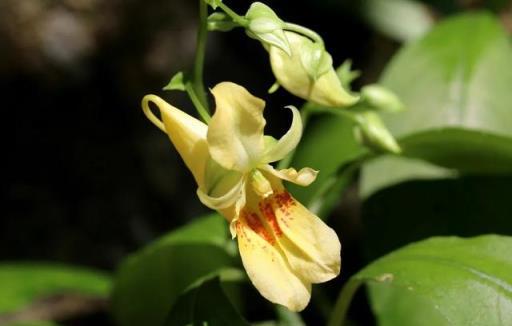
{"x":284,"y":247}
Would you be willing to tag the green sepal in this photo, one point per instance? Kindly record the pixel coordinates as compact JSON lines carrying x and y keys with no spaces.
{"x":221,"y":22}
{"x":177,"y":83}
{"x":315,"y":59}
{"x":346,"y":74}
{"x":213,"y":3}
{"x":265,"y":26}
{"x":275,"y":86}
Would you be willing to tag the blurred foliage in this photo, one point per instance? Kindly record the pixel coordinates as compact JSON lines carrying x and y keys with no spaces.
{"x":22,"y":283}
{"x":150,"y":281}
{"x":458,"y":113}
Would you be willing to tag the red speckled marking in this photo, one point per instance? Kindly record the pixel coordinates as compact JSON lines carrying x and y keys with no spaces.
{"x":267,"y":211}
{"x":284,"y":202}
{"x":253,"y":221}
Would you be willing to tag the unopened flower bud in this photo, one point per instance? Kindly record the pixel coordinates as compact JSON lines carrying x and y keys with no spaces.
{"x":221,"y":22}
{"x":372,"y":132}
{"x":266,"y":26}
{"x":308,"y":72}
{"x":380,"y":98}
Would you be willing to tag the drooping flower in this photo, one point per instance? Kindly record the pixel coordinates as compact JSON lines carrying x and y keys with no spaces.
{"x":284,"y":247}
{"x":308,"y":72}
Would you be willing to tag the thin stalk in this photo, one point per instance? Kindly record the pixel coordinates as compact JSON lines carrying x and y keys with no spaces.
{"x":203,"y":112}
{"x":240,"y":20}
{"x":314,"y":36}
{"x":197,"y":78}
{"x":340,"y":310}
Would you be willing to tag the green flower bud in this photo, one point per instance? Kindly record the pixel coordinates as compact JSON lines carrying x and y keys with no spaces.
{"x":372,"y":132}
{"x":315,"y":60}
{"x":219,"y":21}
{"x":381,"y":99}
{"x":308,"y":72}
{"x":265,"y":26}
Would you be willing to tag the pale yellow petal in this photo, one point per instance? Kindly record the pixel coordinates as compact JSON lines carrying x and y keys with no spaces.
{"x":303,"y":177}
{"x":187,"y":134}
{"x":312,"y":249}
{"x":277,"y":150}
{"x":266,"y":266}
{"x":290,"y":73}
{"x":223,"y":201}
{"x":235,"y":133}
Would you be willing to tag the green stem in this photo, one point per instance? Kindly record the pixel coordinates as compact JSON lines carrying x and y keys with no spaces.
{"x":240,"y":20}
{"x":197,"y":79}
{"x":304,"y":114}
{"x":340,"y":310}
{"x":304,"y":31}
{"x":203,"y":112}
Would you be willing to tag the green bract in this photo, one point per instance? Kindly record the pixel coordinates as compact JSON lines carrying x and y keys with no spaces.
{"x":266,"y":26}
{"x":219,"y":21}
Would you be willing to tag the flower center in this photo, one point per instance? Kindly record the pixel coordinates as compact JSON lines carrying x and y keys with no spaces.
{"x":260,"y":184}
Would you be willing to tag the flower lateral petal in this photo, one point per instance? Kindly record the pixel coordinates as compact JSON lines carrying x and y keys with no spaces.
{"x":267,"y":267}
{"x":278,"y":150}
{"x":312,"y":249}
{"x":235,"y":132}
{"x":187,"y":134}
{"x":304,"y":177}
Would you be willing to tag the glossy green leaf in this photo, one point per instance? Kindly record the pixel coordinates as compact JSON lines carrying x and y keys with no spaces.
{"x":150,"y":281}
{"x":447,"y":281}
{"x":205,"y":303}
{"x":23,"y":283}
{"x":328,"y":145}
{"x":455,"y":83}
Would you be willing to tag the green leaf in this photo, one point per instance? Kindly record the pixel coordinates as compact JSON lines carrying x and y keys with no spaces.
{"x":446,"y":280}
{"x":177,"y":82}
{"x":149,"y":281}
{"x":32,"y":323}
{"x":402,"y":20}
{"x":328,"y":145}
{"x":23,"y":283}
{"x":455,"y":83}
{"x":205,"y":303}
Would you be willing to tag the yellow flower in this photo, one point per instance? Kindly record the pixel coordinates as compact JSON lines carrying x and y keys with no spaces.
{"x":308,"y":72}
{"x":284,"y":247}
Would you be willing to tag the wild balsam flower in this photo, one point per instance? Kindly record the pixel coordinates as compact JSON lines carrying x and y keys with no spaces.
{"x":284,"y":247}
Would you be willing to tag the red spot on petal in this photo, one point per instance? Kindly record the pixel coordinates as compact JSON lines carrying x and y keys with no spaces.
{"x":268,"y":211}
{"x":254,"y":222}
{"x":284,"y":202}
